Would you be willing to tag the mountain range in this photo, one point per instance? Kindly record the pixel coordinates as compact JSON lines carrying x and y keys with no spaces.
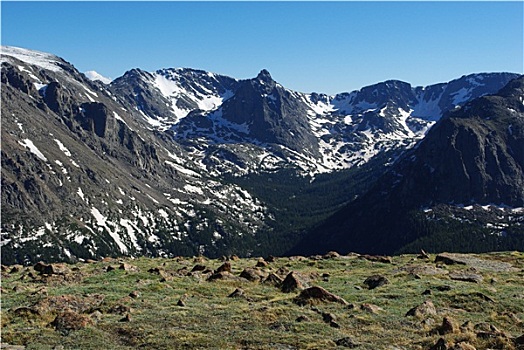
{"x":185,"y":162}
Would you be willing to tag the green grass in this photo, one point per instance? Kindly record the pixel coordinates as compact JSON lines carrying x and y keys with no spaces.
{"x":265,"y":318}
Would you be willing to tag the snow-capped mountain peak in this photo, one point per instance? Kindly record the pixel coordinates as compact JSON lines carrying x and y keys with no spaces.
{"x":93,"y":75}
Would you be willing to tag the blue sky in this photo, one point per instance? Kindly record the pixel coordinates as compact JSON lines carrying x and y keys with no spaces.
{"x":325,"y":47}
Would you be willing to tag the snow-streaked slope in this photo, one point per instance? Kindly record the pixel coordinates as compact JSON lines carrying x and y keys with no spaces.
{"x":35,"y":58}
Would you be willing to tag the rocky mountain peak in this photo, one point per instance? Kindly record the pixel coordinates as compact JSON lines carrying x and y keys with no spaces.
{"x":264,"y":76}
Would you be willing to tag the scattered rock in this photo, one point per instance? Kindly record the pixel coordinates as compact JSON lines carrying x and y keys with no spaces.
{"x":198,"y":268}
{"x":426,"y":292}
{"x":252,"y":274}
{"x":375,"y":281}
{"x":302,"y":318}
{"x":110,"y":268}
{"x":331,"y":255}
{"x":126,"y":318}
{"x":328,"y":317}
{"x":334,"y":324}
{"x":157,"y":271}
{"x":313,"y":294}
{"x":224,"y":275}
{"x":261,"y":263}
{"x":424,"y":309}
{"x":347,"y":342}
{"x":440,"y":345}
{"x":234,"y":258}
{"x":291,"y":283}
{"x":51,"y":269}
{"x":466,"y":277}
{"x":15,"y":268}
{"x":199,"y":259}
{"x":463,"y":346}
{"x":377,"y":258}
{"x":225,"y":267}
{"x":423,"y":255}
{"x":181,"y":302}
{"x":70,"y":321}
{"x":134,"y":294}
{"x":450,"y":259}
{"x":448,"y":326}
{"x":236,"y":294}
{"x":373,"y":309}
{"x":443,"y":288}
{"x":271,"y":259}
{"x":128,"y":267}
{"x":274,"y":280}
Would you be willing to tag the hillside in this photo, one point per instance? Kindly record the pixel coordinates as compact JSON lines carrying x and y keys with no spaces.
{"x":446,"y":301}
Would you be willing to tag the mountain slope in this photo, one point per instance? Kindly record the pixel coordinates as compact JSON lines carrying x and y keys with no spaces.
{"x":462,"y":188}
{"x":84,"y":177}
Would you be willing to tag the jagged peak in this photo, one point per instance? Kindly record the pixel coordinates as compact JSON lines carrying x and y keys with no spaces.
{"x":264,"y":75}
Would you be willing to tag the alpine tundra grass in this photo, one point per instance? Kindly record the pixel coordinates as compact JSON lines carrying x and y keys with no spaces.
{"x":186,"y":303}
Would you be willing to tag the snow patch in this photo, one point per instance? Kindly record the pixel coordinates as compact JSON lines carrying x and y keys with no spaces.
{"x":33,"y":149}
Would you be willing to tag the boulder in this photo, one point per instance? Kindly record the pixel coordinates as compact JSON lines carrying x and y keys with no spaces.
{"x":225,"y":267}
{"x":370,"y":308}
{"x":440,"y":345}
{"x":236,"y":293}
{"x":318,"y":294}
{"x":347,"y":342}
{"x":466,"y":277}
{"x":224,"y":275}
{"x":375,"y":281}
{"x":128,"y":267}
{"x":331,"y":255}
{"x":252,"y":274}
{"x":273,"y":279}
{"x":291,"y":283}
{"x":377,"y":258}
{"x":424,"y":309}
{"x":51,"y":269}
{"x":448,"y":326}
{"x":261,"y":263}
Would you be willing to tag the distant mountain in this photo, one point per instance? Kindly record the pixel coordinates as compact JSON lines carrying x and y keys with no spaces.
{"x":93,"y":75}
{"x":184,"y":162}
{"x":461,"y":188}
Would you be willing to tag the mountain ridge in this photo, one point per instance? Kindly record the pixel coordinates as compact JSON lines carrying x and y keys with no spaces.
{"x":167,"y":163}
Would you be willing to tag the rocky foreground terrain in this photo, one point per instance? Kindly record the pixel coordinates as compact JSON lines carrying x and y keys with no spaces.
{"x":445,"y":301}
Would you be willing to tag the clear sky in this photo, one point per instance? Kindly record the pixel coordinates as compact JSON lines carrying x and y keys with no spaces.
{"x":325,"y":47}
